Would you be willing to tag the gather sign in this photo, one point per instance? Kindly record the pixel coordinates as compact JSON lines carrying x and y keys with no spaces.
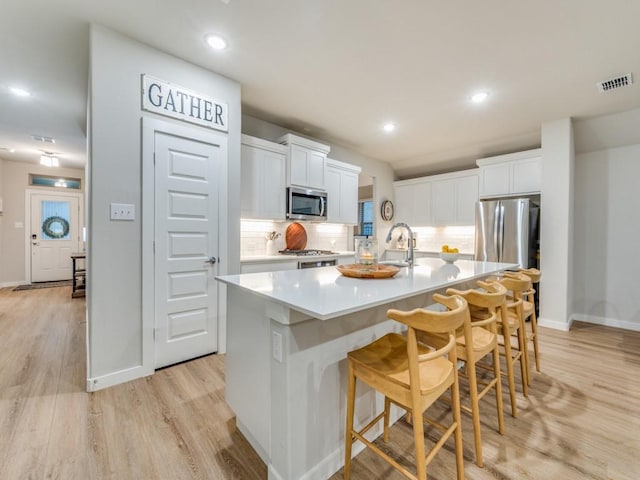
{"x":174,"y":101}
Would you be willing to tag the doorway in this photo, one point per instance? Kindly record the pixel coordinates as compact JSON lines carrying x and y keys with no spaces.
{"x":366,"y":211}
{"x":53,"y":226}
{"x":184,"y":299}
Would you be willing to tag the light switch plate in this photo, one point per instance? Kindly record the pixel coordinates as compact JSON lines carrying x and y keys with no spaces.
{"x":123,"y":211}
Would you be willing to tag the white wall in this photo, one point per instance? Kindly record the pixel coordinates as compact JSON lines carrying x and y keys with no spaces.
{"x":2,"y":267}
{"x":607,"y":229}
{"x":381,"y":171}
{"x":14,"y":180}
{"x":556,"y":224}
{"x":114,"y":301}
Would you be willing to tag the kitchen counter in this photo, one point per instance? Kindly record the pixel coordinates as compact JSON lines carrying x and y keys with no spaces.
{"x":283,"y":258}
{"x":429,"y":253}
{"x":323,"y":293}
{"x":288,"y":335}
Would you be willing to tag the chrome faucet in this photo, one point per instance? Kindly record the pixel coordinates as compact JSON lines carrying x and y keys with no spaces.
{"x":410,"y":251}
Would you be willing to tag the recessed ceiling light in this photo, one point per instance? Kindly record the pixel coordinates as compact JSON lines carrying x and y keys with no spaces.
{"x":20,"y":92}
{"x":479,"y":97}
{"x":49,"y":160}
{"x":216,"y":42}
{"x":389,"y":127}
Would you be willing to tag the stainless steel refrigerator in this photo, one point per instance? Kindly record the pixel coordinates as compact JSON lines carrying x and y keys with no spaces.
{"x":507,"y":230}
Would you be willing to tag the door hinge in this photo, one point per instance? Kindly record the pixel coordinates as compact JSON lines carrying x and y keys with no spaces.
{"x":154,"y":246}
{"x":155,"y":333}
{"x":154,"y":158}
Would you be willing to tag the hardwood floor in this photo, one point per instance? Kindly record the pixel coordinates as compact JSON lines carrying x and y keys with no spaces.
{"x":580,"y":421}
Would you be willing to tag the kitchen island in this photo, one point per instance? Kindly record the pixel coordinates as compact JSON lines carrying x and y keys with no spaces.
{"x":288,"y":334}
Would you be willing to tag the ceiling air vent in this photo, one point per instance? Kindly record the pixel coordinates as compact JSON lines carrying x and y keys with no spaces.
{"x":618,"y":82}
{"x":40,"y":138}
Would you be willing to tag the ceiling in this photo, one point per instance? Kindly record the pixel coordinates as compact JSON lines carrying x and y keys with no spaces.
{"x":337,"y":70}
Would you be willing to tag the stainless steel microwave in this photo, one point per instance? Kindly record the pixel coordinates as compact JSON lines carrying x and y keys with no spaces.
{"x":306,"y":204}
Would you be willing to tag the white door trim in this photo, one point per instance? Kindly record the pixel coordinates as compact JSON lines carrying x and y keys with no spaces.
{"x":28,"y":192}
{"x":149,"y":127}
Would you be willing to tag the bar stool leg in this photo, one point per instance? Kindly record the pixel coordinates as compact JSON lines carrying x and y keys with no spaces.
{"x":387,"y":409}
{"x":534,"y":332}
{"x":351,"y":401}
{"x":508,"y":356}
{"x":496,"y":373}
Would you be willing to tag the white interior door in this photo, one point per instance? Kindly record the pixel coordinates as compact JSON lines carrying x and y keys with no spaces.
{"x":186,"y":245}
{"x":54,"y":236}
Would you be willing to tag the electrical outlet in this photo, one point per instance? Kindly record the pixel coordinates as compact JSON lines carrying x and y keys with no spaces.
{"x":276,"y":344}
{"x":123,"y":211}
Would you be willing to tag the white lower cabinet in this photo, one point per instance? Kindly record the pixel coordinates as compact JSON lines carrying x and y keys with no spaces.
{"x":341,"y":183}
{"x":258,"y":267}
{"x":262,"y":179}
{"x":346,"y":260}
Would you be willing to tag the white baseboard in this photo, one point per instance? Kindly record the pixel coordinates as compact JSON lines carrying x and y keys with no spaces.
{"x":115,"y":378}
{"x":13,"y":284}
{"x":556,"y":325}
{"x":607,"y":322}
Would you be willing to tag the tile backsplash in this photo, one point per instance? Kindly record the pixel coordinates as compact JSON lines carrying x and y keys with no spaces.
{"x":431,"y":239}
{"x":337,"y":237}
{"x":320,"y":236}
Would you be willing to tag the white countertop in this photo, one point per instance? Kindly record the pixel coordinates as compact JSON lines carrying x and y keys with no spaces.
{"x":283,"y":258}
{"x":324,"y":293}
{"x":430,"y":252}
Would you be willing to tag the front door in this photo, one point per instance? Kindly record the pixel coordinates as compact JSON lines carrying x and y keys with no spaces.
{"x":186,"y":246}
{"x":54,"y":236}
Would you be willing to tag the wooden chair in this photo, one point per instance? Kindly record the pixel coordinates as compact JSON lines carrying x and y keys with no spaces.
{"x":529,"y":311}
{"x":412,"y":376}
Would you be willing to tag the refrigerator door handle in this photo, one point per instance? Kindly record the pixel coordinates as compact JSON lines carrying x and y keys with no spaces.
{"x":499,"y":231}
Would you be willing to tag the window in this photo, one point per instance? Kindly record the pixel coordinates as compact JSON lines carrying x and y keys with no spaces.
{"x":365,"y":218}
{"x":55,"y":217}
{"x":56,"y":182}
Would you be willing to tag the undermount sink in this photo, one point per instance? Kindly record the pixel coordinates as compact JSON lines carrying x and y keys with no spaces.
{"x":394,"y":263}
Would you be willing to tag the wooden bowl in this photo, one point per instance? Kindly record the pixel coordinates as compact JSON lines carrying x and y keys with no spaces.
{"x":357,"y":270}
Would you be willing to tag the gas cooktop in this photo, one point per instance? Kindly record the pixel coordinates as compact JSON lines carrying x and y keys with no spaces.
{"x":306,"y":253}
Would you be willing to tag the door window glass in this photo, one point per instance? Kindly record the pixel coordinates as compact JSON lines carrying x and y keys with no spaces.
{"x":55,"y":217}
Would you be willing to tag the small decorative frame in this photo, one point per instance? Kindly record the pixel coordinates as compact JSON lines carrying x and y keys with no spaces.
{"x":386,"y":210}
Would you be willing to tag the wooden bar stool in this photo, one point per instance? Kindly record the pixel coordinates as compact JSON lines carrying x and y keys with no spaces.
{"x":412,"y":376}
{"x":529,"y":311}
{"x":516,"y":286}
{"x":482,"y":342}
{"x":509,"y":324}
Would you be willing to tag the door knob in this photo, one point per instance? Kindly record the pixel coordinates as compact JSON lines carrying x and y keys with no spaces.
{"x":212,"y":260}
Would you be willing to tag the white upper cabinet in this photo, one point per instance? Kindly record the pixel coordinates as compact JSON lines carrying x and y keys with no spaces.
{"x":512,"y":174}
{"x":453,"y":198}
{"x":466,"y":199}
{"x":438,"y":200}
{"x":262,"y":179}
{"x":342,"y":192}
{"x":412,"y":202}
{"x":306,"y":161}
